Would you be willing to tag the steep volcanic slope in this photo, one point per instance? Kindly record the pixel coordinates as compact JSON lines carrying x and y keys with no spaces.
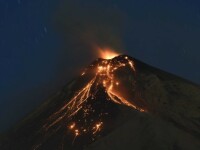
{"x":172,"y":121}
{"x":120,"y":103}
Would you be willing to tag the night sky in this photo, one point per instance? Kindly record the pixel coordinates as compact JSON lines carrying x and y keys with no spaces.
{"x":44,"y":43}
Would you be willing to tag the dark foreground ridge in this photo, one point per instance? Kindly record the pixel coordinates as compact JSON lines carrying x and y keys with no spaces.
{"x":120,"y":103}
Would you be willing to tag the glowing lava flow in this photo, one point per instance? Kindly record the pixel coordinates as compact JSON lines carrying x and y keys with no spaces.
{"x":105,"y":76}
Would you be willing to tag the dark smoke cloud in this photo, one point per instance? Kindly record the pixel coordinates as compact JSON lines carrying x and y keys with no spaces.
{"x":87,"y":24}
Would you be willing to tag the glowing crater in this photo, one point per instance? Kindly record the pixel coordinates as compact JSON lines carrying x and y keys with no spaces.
{"x":107,"y":53}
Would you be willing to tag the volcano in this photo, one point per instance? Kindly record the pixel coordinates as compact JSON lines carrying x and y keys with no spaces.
{"x":117,"y":103}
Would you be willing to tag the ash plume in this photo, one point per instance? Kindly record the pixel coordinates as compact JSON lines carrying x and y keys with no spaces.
{"x":85,"y":26}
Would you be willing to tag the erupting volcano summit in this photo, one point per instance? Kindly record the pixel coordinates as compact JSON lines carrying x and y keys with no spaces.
{"x":118,"y":103}
{"x":109,"y":75}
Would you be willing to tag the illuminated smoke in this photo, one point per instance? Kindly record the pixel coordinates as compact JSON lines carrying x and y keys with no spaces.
{"x":88,"y":25}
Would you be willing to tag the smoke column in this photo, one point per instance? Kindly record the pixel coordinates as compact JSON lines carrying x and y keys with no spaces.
{"x":84,"y":26}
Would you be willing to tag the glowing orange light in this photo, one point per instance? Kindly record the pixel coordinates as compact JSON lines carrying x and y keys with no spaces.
{"x":100,"y":68}
{"x":97,"y":127}
{"x":104,"y":75}
{"x":72,"y":126}
{"x":107,"y":53}
{"x":76,"y":132}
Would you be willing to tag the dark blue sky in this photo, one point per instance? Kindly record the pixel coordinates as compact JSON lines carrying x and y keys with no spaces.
{"x":35,"y":61}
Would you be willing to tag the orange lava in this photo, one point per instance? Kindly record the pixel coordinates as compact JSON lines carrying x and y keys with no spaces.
{"x":104,"y":76}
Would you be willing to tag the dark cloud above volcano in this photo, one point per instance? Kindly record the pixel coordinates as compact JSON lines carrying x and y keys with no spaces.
{"x":85,"y":26}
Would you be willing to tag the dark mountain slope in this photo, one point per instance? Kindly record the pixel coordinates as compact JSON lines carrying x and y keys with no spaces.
{"x":120,"y":103}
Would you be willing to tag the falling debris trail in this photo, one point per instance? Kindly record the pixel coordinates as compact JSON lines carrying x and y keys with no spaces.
{"x":105,"y":77}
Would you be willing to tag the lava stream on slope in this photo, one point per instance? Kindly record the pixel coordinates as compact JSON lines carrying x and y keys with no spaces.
{"x":81,"y":115}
